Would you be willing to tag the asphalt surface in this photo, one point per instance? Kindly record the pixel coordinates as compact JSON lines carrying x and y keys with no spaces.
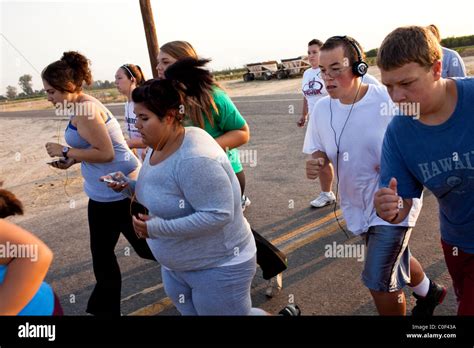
{"x":280,"y":195}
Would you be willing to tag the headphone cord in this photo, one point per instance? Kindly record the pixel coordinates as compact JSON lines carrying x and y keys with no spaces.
{"x":338,"y":142}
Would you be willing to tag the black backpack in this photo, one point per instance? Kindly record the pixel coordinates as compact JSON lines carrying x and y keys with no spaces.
{"x":271,"y":260}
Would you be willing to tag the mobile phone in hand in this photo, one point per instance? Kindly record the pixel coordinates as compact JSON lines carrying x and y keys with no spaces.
{"x":62,"y":160}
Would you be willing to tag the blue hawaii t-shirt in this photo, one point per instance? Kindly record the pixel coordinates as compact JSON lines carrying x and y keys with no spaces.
{"x":441,"y":158}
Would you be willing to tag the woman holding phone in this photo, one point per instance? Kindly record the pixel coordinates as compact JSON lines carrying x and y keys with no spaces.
{"x":95,"y":140}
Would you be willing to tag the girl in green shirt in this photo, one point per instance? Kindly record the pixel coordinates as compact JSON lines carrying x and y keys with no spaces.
{"x":210,"y":108}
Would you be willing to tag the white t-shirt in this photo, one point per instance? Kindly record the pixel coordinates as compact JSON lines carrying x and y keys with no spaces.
{"x":131,"y":119}
{"x":370,"y":80}
{"x":312,"y":87}
{"x":359,"y":153}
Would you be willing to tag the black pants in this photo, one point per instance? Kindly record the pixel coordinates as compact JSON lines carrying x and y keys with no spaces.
{"x":106,"y":221}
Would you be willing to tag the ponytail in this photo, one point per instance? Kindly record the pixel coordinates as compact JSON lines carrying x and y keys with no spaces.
{"x":134,"y":71}
{"x":197,"y":83}
{"x":69,"y":73}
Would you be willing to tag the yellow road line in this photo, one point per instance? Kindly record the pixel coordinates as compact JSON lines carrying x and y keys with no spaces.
{"x":304,"y":228}
{"x":143,"y":292}
{"x":154,"y":308}
{"x":311,"y":238}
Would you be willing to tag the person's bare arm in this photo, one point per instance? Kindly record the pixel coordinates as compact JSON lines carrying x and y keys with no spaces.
{"x":24,"y":275}
{"x":234,"y":138}
{"x":94,"y":131}
{"x":304,"y":117}
{"x":92,"y":128}
{"x":136,"y":143}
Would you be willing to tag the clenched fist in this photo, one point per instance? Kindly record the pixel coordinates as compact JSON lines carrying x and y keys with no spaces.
{"x":387,"y":202}
{"x":313,"y":167}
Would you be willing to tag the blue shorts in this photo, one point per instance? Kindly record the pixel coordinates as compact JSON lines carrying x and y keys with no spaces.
{"x":387,"y":260}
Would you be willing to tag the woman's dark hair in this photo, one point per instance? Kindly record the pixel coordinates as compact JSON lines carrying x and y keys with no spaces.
{"x":69,"y":73}
{"x":9,"y":204}
{"x":315,"y":42}
{"x":161,"y":97}
{"x":132,"y":70}
{"x":198,"y":84}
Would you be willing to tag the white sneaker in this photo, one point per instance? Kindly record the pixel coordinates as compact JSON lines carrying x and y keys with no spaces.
{"x":324,"y":199}
{"x":274,"y":285}
{"x":245,"y":202}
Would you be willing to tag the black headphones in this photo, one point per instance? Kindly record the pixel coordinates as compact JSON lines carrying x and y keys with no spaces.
{"x":359,"y":68}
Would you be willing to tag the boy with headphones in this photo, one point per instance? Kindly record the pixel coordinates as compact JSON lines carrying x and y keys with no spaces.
{"x":313,"y":89}
{"x":347,"y":129}
{"x":434,"y":150}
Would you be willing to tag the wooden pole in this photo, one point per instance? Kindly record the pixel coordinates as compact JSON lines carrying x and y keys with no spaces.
{"x":150,"y":32}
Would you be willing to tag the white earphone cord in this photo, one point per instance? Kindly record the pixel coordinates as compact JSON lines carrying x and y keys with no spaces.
{"x":338,"y":142}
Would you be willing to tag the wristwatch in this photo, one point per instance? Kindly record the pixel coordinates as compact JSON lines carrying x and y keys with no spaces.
{"x":65,"y":151}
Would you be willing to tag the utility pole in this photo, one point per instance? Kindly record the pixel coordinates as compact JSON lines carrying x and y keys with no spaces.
{"x":150,"y":32}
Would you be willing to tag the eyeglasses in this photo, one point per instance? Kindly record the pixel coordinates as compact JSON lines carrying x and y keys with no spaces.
{"x":332,"y":73}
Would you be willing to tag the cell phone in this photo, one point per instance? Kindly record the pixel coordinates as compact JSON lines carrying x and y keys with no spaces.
{"x":57,"y":161}
{"x":120,"y":180}
{"x":112,"y":181}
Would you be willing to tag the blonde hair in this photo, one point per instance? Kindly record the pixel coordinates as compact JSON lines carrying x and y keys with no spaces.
{"x":406,"y":45}
{"x":198,"y":104}
{"x":434,"y":29}
{"x":179,"y":50}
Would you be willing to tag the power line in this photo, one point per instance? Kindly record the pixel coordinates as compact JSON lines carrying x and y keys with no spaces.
{"x":19,"y":52}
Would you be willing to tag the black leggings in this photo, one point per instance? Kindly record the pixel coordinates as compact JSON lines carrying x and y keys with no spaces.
{"x":106,"y":221}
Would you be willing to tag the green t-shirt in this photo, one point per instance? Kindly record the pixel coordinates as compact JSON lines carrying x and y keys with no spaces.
{"x":228,"y":119}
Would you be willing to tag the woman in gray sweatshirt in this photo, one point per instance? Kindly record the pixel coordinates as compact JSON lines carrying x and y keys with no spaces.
{"x":195,"y":226}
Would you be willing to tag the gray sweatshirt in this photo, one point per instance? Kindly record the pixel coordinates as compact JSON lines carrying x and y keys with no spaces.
{"x":195,"y":200}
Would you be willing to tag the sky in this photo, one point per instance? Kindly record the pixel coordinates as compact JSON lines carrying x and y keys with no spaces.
{"x":232,"y":33}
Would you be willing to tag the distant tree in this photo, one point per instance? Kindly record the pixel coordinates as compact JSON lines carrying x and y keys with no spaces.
{"x":25,"y":84}
{"x":452,"y":42}
{"x":108,"y":84}
{"x":372,"y":53}
{"x":96,"y":85}
{"x":11,"y":92}
{"x":39,"y":93}
{"x":2,"y":98}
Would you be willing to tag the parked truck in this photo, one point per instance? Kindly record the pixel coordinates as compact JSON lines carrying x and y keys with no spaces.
{"x":271,"y":69}
{"x":264,"y":70}
{"x":292,"y":67}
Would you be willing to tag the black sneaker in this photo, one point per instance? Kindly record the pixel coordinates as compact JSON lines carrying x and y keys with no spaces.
{"x":290,"y":311}
{"x":425,"y":305}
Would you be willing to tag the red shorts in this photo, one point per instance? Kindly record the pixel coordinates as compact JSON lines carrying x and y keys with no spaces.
{"x":58,"y":309}
{"x":461,"y":268}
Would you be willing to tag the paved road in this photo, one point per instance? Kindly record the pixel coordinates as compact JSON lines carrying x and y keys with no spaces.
{"x":280,"y":195}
